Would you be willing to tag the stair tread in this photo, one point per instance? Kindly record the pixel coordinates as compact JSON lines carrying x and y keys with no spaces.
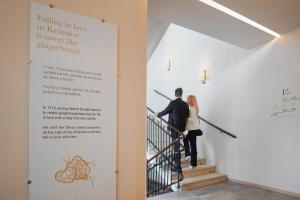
{"x":198,"y":160}
{"x":197,"y":171}
{"x":205,"y":177}
{"x":199,"y":167}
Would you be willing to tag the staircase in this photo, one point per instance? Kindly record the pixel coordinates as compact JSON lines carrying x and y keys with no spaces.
{"x":160,"y":163}
{"x":200,"y":176}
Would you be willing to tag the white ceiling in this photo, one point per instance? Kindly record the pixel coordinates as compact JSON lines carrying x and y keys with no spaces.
{"x":278,"y":15}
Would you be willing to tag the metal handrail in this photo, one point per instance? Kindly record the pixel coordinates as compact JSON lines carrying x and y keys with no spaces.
{"x":201,"y":118}
{"x":164,"y":149}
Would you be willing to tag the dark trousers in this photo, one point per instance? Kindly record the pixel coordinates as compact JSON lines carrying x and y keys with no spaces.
{"x":190,"y":147}
{"x":176,"y":151}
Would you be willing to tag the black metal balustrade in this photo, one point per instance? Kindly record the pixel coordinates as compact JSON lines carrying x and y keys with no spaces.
{"x":162,"y":166}
{"x":158,"y":136}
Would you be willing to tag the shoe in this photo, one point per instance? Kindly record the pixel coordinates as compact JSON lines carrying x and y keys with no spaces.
{"x":188,"y":158}
{"x":192,"y":167}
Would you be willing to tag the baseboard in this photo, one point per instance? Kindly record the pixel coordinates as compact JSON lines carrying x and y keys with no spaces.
{"x":265,"y":187}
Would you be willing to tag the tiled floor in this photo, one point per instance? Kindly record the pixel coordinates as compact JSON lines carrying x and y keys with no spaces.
{"x":226,"y":191}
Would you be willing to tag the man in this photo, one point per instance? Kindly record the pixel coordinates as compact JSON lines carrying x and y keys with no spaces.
{"x":178,"y":111}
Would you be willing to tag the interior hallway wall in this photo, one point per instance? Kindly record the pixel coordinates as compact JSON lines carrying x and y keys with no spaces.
{"x":243,"y":87}
{"x":130,"y":17}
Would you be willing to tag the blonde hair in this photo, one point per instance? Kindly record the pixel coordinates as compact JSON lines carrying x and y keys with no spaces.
{"x":192,"y":101}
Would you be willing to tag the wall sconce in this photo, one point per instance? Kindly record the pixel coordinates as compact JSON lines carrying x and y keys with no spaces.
{"x":168,"y":66}
{"x":203,"y":76}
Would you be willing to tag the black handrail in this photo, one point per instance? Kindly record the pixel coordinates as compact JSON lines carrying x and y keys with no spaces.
{"x":161,"y":170}
{"x":201,"y":118}
{"x":164,"y":149}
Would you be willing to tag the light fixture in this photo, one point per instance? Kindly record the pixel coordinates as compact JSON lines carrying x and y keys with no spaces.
{"x":168,"y":65}
{"x":203,"y":76}
{"x":239,"y":16}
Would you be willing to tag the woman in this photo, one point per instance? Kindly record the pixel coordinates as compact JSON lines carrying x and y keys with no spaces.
{"x":193,"y":128}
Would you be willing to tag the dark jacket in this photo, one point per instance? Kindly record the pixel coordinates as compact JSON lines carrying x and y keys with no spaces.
{"x":178,"y":111}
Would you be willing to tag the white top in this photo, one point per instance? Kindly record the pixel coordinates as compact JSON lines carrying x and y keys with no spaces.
{"x":193,"y":121}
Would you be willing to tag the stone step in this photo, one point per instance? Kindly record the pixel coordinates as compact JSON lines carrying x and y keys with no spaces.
{"x":200,"y":181}
{"x":197,"y":171}
{"x":186,"y":163}
{"x":182,"y":154}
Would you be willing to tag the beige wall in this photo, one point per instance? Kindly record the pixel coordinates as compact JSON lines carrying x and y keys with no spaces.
{"x":130,"y":17}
